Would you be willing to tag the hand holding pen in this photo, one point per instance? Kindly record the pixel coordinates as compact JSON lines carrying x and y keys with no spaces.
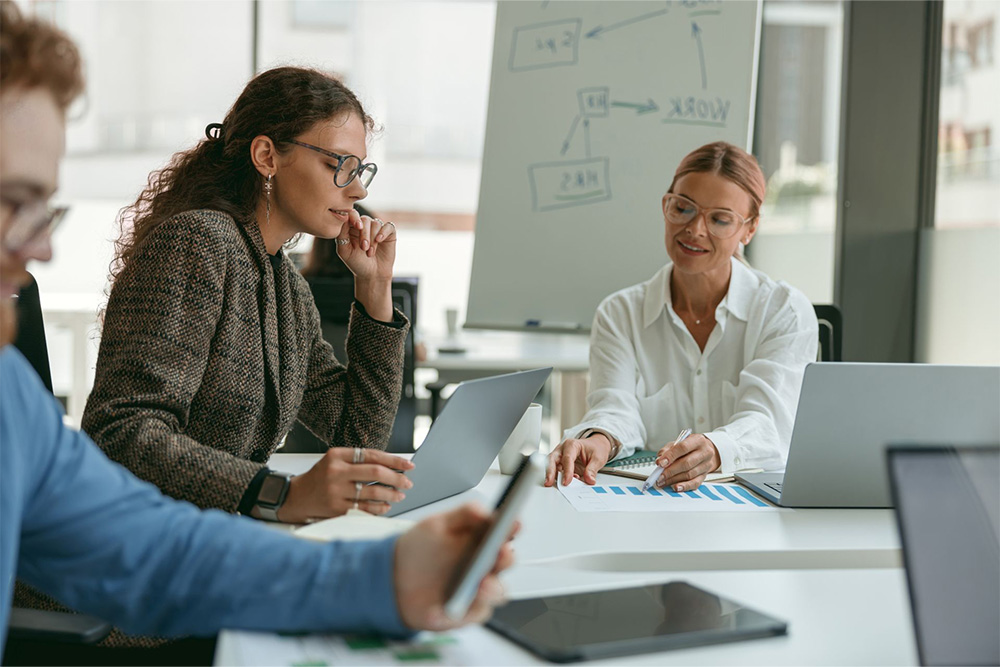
{"x":687,"y":462}
{"x":651,"y":480}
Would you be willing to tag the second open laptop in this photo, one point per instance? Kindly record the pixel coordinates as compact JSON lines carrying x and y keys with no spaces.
{"x":948,"y":513}
{"x":468,"y":435}
{"x":849,"y":412}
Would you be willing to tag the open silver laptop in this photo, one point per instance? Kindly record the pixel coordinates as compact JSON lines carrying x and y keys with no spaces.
{"x":849,"y":412}
{"x":467,"y":435}
{"x":948,"y":511}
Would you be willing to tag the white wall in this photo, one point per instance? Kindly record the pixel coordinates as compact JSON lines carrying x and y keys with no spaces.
{"x":958,"y":302}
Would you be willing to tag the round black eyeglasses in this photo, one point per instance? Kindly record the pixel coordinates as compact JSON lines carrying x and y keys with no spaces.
{"x":348,"y":167}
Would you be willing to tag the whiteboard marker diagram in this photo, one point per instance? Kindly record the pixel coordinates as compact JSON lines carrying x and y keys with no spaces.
{"x":578,"y":182}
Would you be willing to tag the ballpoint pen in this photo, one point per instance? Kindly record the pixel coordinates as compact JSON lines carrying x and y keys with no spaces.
{"x":659,"y":469}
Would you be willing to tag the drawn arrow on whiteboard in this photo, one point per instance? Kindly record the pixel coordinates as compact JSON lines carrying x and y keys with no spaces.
{"x":600,"y":30}
{"x":572,"y":129}
{"x":696,"y":33}
{"x":640,"y":109}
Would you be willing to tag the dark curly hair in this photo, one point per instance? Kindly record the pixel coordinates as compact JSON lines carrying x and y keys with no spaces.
{"x":34,"y":54}
{"x":218,"y":173}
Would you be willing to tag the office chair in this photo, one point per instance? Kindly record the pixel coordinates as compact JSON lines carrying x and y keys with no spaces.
{"x":435,"y":388}
{"x":831,"y":331}
{"x":334,"y":297}
{"x":31,"y":332}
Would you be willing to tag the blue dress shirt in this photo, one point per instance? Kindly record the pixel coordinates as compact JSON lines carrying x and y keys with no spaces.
{"x":86,"y":531}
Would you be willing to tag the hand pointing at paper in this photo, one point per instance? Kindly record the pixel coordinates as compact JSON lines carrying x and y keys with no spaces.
{"x":580,"y":458}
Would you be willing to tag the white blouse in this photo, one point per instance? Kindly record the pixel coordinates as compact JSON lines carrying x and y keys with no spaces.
{"x":649,"y":380}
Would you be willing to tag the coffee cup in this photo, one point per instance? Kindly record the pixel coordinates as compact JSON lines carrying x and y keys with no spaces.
{"x":524,"y":440}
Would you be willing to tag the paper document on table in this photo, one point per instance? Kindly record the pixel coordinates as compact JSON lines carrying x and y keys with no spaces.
{"x":630,"y":498}
{"x":355,"y":525}
{"x":469,"y":646}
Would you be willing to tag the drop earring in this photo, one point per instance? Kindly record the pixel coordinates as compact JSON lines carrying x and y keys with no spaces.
{"x":268,"y":187}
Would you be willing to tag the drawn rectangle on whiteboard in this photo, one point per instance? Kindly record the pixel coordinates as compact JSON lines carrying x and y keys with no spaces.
{"x":545,"y":45}
{"x":594,"y":102}
{"x":569,"y":183}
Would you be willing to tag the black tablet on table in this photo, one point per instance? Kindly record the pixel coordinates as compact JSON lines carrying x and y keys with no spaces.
{"x":644,"y":619}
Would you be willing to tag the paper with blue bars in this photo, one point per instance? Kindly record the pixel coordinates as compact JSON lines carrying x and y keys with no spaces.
{"x":630,"y":498}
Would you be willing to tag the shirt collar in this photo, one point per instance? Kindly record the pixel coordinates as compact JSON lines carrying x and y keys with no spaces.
{"x":657,"y":295}
{"x":742,"y":285}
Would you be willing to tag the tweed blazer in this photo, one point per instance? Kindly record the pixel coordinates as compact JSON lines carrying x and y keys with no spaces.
{"x":207,"y":358}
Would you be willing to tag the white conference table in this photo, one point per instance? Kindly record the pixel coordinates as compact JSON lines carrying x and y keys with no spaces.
{"x":487,"y":353}
{"x":834,"y":575}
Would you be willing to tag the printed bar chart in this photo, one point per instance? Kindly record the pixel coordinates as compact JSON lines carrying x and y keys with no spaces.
{"x":630,"y":498}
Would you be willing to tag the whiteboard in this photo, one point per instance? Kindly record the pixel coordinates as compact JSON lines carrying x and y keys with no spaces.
{"x":592,"y":106}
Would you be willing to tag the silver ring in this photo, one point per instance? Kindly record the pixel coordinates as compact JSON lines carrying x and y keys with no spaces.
{"x":357,"y":493}
{"x":359,"y":455}
{"x":393,"y":225}
{"x":342,"y":241}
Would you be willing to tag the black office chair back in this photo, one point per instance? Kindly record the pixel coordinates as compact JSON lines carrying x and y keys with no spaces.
{"x":31,"y":332}
{"x":831,"y":328}
{"x":333,"y":297}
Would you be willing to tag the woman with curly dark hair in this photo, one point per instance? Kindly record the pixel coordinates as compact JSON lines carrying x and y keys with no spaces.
{"x":211,"y":346}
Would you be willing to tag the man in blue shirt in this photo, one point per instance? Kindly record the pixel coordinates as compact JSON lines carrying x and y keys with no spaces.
{"x":84,"y":530}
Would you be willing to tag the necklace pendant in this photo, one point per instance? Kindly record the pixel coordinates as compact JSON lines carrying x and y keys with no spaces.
{"x":697,"y":321}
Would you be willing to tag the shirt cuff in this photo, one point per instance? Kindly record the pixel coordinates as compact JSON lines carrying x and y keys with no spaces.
{"x":398,"y":319}
{"x":628,"y":443}
{"x":249,"y":498}
{"x":729,"y":452}
{"x":616,"y":445}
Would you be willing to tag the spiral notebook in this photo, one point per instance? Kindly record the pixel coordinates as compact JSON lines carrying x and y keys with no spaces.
{"x":641,"y":465}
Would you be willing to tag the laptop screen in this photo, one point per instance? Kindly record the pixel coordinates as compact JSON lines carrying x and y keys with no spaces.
{"x":948,"y":510}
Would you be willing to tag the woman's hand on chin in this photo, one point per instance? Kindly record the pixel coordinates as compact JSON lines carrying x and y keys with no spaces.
{"x":371,"y":251}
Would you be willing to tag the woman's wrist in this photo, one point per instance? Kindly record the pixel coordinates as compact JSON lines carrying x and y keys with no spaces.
{"x":613,"y":446}
{"x":376,"y":296}
{"x":290,"y":512}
